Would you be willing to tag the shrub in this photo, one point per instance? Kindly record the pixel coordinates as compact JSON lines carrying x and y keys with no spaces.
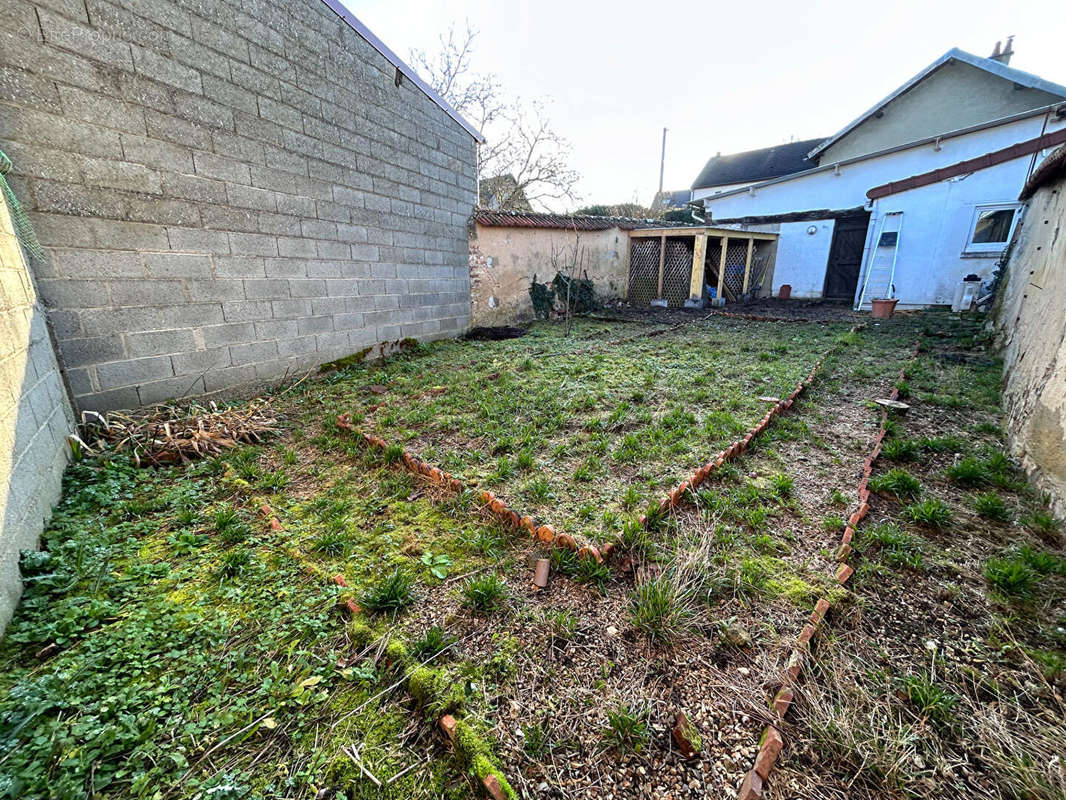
{"x":1011,"y":577}
{"x":627,"y":728}
{"x":901,"y":450}
{"x":970,"y":471}
{"x":991,"y":506}
{"x":897,"y":548}
{"x":782,"y":485}
{"x":928,"y":698}
{"x":931,"y":513}
{"x":484,"y":593}
{"x":391,"y":593}
{"x":659,"y":609}
{"x":897,"y":482}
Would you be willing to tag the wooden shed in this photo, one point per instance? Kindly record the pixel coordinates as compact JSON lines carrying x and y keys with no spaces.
{"x":679,"y":265}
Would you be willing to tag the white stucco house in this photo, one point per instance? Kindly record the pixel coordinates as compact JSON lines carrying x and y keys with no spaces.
{"x":917,"y":193}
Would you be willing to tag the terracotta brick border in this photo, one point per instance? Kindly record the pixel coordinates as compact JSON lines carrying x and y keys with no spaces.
{"x":772,"y":739}
{"x":545,"y":533}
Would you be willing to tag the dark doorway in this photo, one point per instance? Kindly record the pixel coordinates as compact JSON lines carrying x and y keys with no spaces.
{"x":845,"y":256}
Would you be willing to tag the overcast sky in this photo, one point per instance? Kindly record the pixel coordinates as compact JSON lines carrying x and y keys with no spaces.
{"x":722,"y":77}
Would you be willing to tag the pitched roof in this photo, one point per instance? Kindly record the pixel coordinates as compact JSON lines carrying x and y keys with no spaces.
{"x":1017,"y":76}
{"x":580,"y":222}
{"x":338,"y":8}
{"x":756,"y":165}
{"x":899,"y":148}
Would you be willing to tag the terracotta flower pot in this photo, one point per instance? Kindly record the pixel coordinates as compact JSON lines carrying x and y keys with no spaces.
{"x":882,"y":309}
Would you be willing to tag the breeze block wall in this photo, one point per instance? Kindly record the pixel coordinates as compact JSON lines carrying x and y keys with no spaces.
{"x":229,"y":191}
{"x":35,"y":417}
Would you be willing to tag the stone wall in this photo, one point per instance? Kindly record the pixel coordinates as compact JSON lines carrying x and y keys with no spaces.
{"x":229,"y":191}
{"x":1031,"y":321}
{"x":503,"y":261}
{"x":35,"y":417}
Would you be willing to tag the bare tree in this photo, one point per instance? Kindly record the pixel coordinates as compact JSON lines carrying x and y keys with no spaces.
{"x":527,"y":160}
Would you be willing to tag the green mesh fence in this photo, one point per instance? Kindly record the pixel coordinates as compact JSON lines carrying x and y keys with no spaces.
{"x":23,"y":229}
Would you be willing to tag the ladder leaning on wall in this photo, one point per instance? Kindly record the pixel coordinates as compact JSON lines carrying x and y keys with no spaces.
{"x":881,"y":274}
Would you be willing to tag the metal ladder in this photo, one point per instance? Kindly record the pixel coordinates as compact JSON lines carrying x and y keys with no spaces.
{"x":881,"y":274}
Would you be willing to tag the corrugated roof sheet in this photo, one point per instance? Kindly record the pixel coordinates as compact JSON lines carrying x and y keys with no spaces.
{"x":580,"y":222}
{"x":756,"y":165}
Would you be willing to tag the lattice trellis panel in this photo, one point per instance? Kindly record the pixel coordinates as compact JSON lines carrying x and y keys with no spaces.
{"x":677,"y":270}
{"x":643,"y":271}
{"x":736,"y":255}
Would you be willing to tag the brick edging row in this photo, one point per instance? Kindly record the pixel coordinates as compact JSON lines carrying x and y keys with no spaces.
{"x":500,"y":510}
{"x":772,"y":740}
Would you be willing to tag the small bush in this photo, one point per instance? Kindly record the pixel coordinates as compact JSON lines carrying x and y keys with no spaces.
{"x":390,"y":594}
{"x":1042,"y":522}
{"x":230,"y":526}
{"x":1040,"y":561}
{"x":432,"y":642}
{"x":782,"y":485}
{"x":928,"y":698}
{"x":659,"y":610}
{"x":484,"y":593}
{"x":1011,"y":577}
{"x":897,"y":482}
{"x":234,"y":563}
{"x":896,"y":547}
{"x":931,"y":513}
{"x":942,"y":444}
{"x":331,"y":543}
{"x":627,"y":729}
{"x":970,"y":471}
{"x":991,"y":506}
{"x":901,"y":450}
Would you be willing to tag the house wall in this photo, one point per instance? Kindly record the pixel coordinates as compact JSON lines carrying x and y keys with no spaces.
{"x":503,"y":262}
{"x":1031,"y":322}
{"x":35,"y":417}
{"x":953,"y":97}
{"x":936,"y":218}
{"x":229,"y":191}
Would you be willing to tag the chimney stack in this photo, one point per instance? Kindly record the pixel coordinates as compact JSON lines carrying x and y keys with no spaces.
{"x":1003,"y":56}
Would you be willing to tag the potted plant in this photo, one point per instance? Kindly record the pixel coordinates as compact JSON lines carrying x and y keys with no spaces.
{"x":883,"y":307}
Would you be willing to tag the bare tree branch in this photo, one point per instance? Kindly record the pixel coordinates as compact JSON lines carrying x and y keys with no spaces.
{"x":527,"y":159}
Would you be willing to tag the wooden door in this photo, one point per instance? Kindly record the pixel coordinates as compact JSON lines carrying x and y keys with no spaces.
{"x":845,"y":257}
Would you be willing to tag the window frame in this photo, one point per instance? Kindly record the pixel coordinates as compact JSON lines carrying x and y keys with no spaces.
{"x":990,"y":248}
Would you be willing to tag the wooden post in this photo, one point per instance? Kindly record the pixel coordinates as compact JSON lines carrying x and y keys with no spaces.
{"x":662,"y":255}
{"x":721,"y":266}
{"x":699,"y":255}
{"x":747,"y":266}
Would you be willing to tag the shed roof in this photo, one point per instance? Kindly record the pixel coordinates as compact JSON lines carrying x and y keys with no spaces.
{"x":353,"y":22}
{"x":1016,"y":76}
{"x":581,"y":222}
{"x":756,"y":165}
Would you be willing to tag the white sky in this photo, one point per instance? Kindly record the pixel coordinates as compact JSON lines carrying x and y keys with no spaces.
{"x":721,"y":76}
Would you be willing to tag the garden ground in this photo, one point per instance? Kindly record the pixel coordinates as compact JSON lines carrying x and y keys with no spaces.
{"x":182,"y":635}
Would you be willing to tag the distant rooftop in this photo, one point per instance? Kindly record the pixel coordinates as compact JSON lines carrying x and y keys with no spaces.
{"x":757,"y":165}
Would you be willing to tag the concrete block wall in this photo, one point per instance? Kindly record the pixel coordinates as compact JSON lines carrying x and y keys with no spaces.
{"x":35,"y":417}
{"x":229,"y":191}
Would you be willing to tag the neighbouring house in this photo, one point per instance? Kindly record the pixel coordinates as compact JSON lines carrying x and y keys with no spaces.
{"x":229,"y":196}
{"x":509,"y":248}
{"x":670,"y":201}
{"x":502,"y":193}
{"x":738,"y":170}
{"x":911,"y":197}
{"x":1031,"y":324}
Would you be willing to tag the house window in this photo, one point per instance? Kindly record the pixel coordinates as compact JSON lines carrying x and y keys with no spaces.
{"x":991,"y":228}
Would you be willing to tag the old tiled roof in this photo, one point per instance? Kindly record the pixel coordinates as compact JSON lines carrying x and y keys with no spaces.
{"x":756,"y":165}
{"x":1051,"y":169}
{"x":580,"y":222}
